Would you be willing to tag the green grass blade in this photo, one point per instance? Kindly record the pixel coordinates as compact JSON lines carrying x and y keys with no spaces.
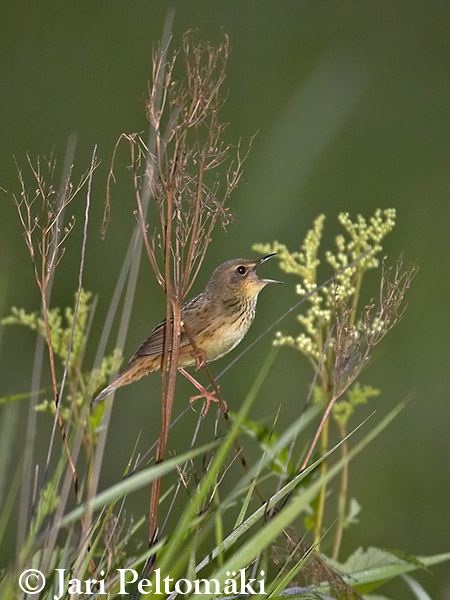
{"x":258,"y":514}
{"x":416,"y":588}
{"x":185,"y":522}
{"x":10,"y":502}
{"x":132,"y":484}
{"x":300,"y":502}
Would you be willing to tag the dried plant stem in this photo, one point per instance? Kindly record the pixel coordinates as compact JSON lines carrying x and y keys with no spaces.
{"x":190,"y":258}
{"x":185,"y":136}
{"x":55,"y":392}
{"x":75,"y":315}
{"x":66,"y":366}
{"x":327,"y":412}
{"x":393,"y":285}
{"x":24,"y":205}
{"x":149,"y":177}
{"x":43,"y":238}
{"x":141,"y":211}
{"x":173,"y":309}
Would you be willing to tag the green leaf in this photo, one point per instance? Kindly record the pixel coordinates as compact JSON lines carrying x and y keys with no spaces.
{"x":354,"y":509}
{"x":267,"y":439}
{"x":357,"y":394}
{"x":16,"y":397}
{"x":367,"y":570}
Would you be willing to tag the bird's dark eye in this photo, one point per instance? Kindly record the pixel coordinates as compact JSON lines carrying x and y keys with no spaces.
{"x":242,"y":270}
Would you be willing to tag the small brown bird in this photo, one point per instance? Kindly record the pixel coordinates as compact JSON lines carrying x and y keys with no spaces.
{"x":217,"y":320}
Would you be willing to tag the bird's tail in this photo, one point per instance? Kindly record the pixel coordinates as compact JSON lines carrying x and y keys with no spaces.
{"x":134,"y":371}
{"x":106,"y":392}
{"x":123,"y":379}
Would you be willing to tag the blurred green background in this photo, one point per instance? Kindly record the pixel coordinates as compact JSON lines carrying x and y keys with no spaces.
{"x":351,"y":101}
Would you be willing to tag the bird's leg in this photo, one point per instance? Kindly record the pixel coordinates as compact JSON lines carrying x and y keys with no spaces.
{"x":200,"y":358}
{"x":208,"y":396}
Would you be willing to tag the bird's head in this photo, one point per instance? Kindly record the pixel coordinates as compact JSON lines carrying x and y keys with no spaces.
{"x":238,"y":278}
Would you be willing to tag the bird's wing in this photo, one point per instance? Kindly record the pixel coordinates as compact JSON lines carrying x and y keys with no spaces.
{"x":154,"y":344}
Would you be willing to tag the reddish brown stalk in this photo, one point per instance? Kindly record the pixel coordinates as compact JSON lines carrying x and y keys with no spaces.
{"x":377,"y":322}
{"x":322,"y":423}
{"x":185,"y":144}
{"x":168,"y":390}
{"x":141,"y":218}
{"x":55,"y":391}
{"x":134,"y":141}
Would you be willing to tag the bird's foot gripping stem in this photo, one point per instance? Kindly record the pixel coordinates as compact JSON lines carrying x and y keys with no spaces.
{"x":200,"y":358}
{"x":208,"y":396}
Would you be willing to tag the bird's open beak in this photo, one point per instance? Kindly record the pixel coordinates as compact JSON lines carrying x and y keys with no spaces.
{"x":262,"y":260}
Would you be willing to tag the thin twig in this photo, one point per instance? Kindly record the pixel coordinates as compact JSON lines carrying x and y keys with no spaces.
{"x":75,"y":314}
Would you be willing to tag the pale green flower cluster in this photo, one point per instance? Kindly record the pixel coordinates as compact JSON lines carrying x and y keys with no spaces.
{"x":357,"y":394}
{"x":304,"y":264}
{"x":361,"y":238}
{"x":60,"y":324}
{"x":96,"y":379}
